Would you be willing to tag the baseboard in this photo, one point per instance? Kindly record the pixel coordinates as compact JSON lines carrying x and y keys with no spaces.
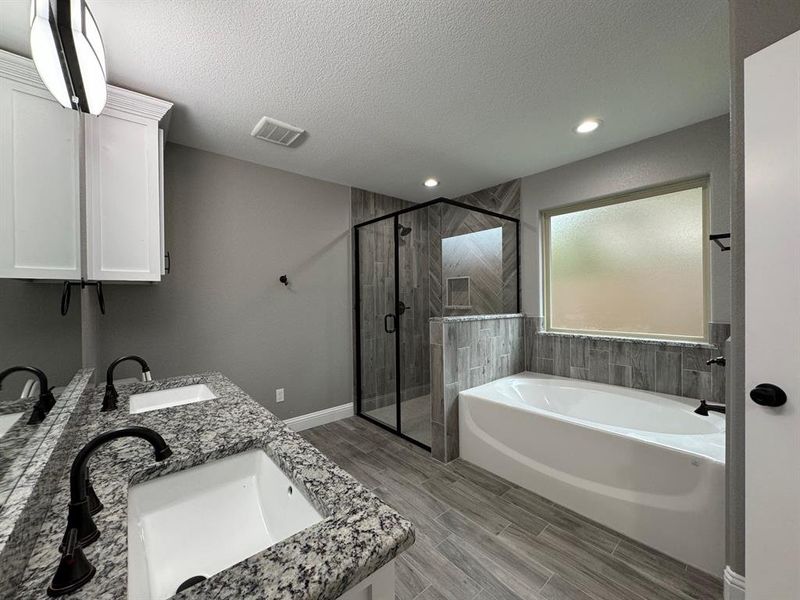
{"x":327,"y":415}
{"x":734,"y":585}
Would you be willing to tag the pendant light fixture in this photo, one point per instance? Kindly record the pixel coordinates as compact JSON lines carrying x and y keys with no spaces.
{"x":68,"y":53}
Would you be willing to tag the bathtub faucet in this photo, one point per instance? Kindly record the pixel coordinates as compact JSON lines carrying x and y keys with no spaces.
{"x":705,"y":407}
{"x":717,"y":360}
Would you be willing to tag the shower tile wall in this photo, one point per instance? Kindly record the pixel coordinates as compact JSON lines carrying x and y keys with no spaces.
{"x":413,"y":254}
{"x":447,"y":221}
{"x":665,"y":367}
{"x":366,"y":205}
{"x":472,"y":273}
{"x":465,"y":352}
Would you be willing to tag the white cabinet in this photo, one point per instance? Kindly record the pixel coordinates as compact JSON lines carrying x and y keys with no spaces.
{"x":123,"y":214}
{"x":41,"y":199}
{"x":39,"y":185}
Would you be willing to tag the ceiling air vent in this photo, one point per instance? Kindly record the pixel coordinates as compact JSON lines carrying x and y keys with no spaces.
{"x":277,"y":132}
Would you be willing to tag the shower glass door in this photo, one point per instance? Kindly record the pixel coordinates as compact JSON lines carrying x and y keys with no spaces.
{"x":376,"y":289}
{"x":413,"y":315}
{"x":437,"y":259}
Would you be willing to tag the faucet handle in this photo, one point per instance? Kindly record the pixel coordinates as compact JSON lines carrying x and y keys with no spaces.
{"x":74,"y":569}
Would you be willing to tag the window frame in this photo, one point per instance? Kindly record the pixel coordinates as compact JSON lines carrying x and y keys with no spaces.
{"x":639,"y":194}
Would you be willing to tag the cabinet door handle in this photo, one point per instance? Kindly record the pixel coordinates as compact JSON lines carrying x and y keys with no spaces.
{"x":66,"y":293}
{"x":100,"y":298}
{"x":167,"y":263}
{"x":386,"y":323}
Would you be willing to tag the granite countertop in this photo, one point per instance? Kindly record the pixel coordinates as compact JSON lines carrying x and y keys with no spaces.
{"x":28,"y":484}
{"x":358,"y":535}
{"x":19,"y":434}
{"x":612,"y":338}
{"x":459,"y":318}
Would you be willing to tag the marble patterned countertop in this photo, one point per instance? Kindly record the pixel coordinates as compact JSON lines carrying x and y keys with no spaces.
{"x":358,"y":535}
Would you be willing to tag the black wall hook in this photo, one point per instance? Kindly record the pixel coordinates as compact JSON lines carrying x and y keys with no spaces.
{"x":716,"y":237}
{"x":284,"y":279}
{"x":66,"y":294}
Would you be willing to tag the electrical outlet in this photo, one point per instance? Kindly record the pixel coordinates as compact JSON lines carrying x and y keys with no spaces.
{"x":279,"y":395}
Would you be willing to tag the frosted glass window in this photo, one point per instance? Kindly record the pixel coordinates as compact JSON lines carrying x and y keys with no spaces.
{"x":632,"y":267}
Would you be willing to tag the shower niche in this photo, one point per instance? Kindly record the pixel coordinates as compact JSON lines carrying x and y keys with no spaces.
{"x":458,"y":293}
{"x":437,"y":259}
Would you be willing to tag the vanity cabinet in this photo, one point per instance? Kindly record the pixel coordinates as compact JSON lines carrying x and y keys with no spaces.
{"x":52,"y":227}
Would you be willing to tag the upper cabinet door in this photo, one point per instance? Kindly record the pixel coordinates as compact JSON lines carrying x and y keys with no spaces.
{"x":39,"y":185}
{"x":123,"y":210}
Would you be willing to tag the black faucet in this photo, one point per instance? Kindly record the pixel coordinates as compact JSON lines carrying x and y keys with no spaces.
{"x":705,"y":407}
{"x":45,"y":402}
{"x":110,"y":398}
{"x":717,"y":360}
{"x":81,"y":530}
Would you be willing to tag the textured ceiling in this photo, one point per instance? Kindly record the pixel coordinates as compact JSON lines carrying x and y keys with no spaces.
{"x":473,"y":92}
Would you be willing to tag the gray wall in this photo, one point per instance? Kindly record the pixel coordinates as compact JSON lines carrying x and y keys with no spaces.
{"x":697,"y":150}
{"x":232,"y":229}
{"x":754,"y":26}
{"x":33,"y":332}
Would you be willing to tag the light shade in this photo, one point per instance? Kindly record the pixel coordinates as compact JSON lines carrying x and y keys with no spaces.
{"x":430,"y":182}
{"x":68,"y":53}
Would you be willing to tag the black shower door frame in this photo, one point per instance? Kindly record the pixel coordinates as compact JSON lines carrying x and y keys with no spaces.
{"x":398,"y":429}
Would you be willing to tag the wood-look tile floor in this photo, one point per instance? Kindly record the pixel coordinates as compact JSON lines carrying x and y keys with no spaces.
{"x":415,"y":417}
{"x":480,"y":537}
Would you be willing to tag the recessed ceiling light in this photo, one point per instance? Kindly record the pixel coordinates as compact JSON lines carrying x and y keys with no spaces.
{"x":430,"y":182}
{"x":588,"y":126}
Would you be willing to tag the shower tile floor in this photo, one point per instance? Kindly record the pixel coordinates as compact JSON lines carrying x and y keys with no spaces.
{"x":480,"y":537}
{"x":415,"y":415}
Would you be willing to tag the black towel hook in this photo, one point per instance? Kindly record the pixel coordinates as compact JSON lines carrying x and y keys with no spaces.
{"x":66,"y":294}
{"x":716,"y":237}
{"x":284,"y":279}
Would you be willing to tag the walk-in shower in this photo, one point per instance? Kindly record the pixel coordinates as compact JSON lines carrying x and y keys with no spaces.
{"x":440,"y":258}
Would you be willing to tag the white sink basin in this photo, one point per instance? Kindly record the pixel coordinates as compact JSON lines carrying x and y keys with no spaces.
{"x":173,"y":397}
{"x":7,"y":422}
{"x":208,"y":518}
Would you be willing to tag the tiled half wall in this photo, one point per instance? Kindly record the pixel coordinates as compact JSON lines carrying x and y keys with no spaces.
{"x":467,"y":351}
{"x":668,"y":367}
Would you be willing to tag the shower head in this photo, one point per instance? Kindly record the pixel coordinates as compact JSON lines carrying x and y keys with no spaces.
{"x":404,"y":231}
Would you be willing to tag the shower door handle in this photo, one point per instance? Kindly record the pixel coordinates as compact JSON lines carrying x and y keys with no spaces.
{"x":386,"y":323}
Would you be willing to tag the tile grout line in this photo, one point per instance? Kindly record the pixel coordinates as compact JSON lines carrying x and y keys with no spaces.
{"x":544,"y":585}
{"x":499,"y":533}
{"x":492,"y":561}
{"x":421,"y":592}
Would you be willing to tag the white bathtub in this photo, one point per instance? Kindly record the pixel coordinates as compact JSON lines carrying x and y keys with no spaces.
{"x":641,"y":463}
